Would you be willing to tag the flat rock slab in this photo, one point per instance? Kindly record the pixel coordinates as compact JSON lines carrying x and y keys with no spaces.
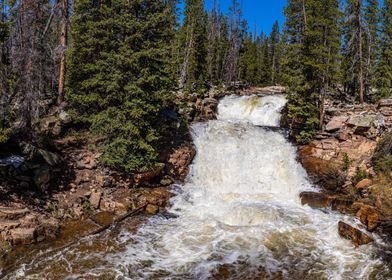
{"x":11,"y":213}
{"x":336,"y":123}
{"x":23,"y":235}
{"x":356,"y":236}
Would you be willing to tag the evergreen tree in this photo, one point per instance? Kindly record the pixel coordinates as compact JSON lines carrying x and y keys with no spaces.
{"x":311,"y":60}
{"x":193,"y":72}
{"x":275,"y":53}
{"x":236,"y":31}
{"x":384,"y":68}
{"x":265,"y":64}
{"x":249,"y":67}
{"x":353,"y":49}
{"x":120,"y":75}
{"x":371,"y":42}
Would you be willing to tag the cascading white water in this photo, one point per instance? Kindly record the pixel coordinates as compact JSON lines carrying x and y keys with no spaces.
{"x":237,"y":217}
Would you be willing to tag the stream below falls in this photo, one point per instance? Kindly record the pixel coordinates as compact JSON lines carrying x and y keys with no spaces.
{"x":238,"y":216}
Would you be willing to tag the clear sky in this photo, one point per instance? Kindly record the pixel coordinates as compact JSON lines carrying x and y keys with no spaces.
{"x":263,"y":13}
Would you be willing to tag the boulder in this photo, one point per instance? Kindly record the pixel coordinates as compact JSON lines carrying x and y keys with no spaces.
{"x":152,"y":209}
{"x":315,"y":200}
{"x":95,"y":198}
{"x":42,"y":177}
{"x":369,"y":216}
{"x":385,"y":103}
{"x":365,"y":183}
{"x":356,"y":236}
{"x":50,"y":125}
{"x":149,"y":176}
{"x":361,"y":124}
{"x":51,"y":158}
{"x":11,"y":213}
{"x":22,"y":235}
{"x":336,"y":123}
{"x":64,"y":117}
{"x":179,"y":161}
{"x":342,"y":204}
{"x":7,"y":224}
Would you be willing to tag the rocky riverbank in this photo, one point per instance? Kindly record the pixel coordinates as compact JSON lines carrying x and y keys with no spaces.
{"x":343,"y":161}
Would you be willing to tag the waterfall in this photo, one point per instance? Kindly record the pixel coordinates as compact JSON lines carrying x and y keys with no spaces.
{"x":238,"y":216}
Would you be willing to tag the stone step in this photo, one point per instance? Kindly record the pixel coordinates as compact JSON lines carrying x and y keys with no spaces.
{"x":11,"y":213}
{"x":8,"y":224}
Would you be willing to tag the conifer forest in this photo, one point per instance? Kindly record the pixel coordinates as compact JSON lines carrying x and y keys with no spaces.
{"x":200,"y":135}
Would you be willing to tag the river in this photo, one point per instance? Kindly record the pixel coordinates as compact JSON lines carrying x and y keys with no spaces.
{"x":237,"y":216}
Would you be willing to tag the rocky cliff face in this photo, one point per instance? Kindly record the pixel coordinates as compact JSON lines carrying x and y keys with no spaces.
{"x":340,"y":160}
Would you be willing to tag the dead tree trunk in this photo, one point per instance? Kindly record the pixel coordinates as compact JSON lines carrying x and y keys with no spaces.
{"x":63,"y":43}
{"x":360,"y":52}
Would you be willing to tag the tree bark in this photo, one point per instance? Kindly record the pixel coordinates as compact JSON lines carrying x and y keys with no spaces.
{"x":360,"y":52}
{"x":63,"y":43}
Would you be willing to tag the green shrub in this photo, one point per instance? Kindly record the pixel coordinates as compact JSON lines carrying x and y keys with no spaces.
{"x":360,"y":174}
{"x":5,"y":134}
{"x":382,"y":158}
{"x":346,"y":162}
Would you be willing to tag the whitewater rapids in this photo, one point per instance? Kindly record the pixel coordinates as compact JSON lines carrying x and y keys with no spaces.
{"x":238,"y":216}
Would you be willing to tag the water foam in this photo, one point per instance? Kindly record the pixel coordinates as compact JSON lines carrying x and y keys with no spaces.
{"x":237,"y":217}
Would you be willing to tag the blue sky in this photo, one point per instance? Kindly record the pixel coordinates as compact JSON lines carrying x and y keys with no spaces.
{"x":263,"y":13}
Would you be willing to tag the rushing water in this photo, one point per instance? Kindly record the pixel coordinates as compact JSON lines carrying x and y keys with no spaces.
{"x":237,"y":217}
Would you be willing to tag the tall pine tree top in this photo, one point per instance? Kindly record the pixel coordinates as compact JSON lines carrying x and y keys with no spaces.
{"x":120,"y":75}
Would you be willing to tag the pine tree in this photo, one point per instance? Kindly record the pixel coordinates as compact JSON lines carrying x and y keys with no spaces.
{"x":120,"y":75}
{"x":353,"y":49}
{"x":275,"y":53}
{"x":313,"y":39}
{"x":249,"y":67}
{"x":371,"y":42}
{"x":193,"y":72}
{"x":236,"y":31}
{"x":266,"y":66}
{"x":384,"y":68}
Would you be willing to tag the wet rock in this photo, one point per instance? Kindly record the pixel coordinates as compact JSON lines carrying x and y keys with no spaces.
{"x":23,"y":235}
{"x":336,"y":123}
{"x":355,"y":235}
{"x":149,"y":176}
{"x":365,"y":183}
{"x":152,"y":209}
{"x":315,"y":200}
{"x":95,"y":198}
{"x":179,"y":161}
{"x":343,"y":204}
{"x":369,"y":216}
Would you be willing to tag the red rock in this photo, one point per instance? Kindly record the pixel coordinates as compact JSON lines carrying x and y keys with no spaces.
{"x":315,"y":200}
{"x":355,"y":235}
{"x":369,"y":216}
{"x":147,"y":177}
{"x":12,"y":213}
{"x":22,"y":235}
{"x":152,"y":209}
{"x":95,"y":198}
{"x":336,"y":123}
{"x":365,"y":183}
{"x":7,"y":224}
{"x":180,"y":160}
